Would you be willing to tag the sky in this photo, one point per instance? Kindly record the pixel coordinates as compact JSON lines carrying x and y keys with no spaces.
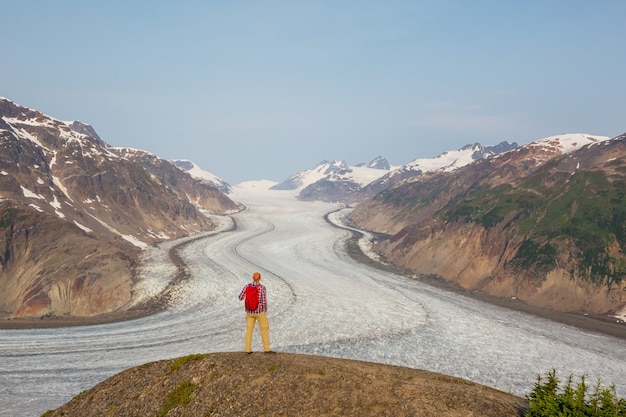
{"x":252,"y":90}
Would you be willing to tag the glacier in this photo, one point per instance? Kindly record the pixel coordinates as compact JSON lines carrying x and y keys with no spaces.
{"x":321,"y":302}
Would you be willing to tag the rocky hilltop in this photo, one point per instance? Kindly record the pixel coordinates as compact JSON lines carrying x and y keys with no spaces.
{"x":75,"y":212}
{"x":237,"y":384}
{"x":544,"y":223}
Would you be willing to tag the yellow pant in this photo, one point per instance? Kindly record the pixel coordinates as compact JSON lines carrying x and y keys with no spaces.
{"x":264,"y":326}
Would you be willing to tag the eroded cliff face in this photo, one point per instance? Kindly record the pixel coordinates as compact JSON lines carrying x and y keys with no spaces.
{"x":542,"y":225}
{"x":481,"y":260}
{"x":53,"y":268}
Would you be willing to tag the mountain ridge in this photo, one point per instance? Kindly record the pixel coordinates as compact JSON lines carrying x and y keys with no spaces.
{"x":444,"y":162}
{"x":517,"y":224}
{"x":109,"y":203}
{"x":336,"y":181}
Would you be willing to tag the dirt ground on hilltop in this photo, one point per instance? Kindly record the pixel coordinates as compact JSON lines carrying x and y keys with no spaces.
{"x":281,"y":384}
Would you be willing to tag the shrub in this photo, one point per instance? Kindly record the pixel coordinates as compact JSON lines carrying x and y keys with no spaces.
{"x":548,"y":400}
{"x":537,"y":257}
{"x":184,"y":359}
{"x":181,"y":395}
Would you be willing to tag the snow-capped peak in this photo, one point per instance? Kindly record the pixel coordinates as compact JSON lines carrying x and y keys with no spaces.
{"x":198,"y":173}
{"x":377,"y":163}
{"x":451,"y":160}
{"x":361,"y":174}
{"x":567,"y":143}
{"x":31,"y":124}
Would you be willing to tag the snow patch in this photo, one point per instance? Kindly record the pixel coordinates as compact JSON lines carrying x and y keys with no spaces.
{"x":56,"y":203}
{"x":22,"y":133}
{"x":447,"y":161}
{"x":567,"y":143}
{"x":196,"y":172}
{"x":134,"y":241}
{"x":85,"y":228}
{"x":29,"y":194}
{"x":159,"y":235}
{"x":56,"y":181}
{"x":128,"y":238}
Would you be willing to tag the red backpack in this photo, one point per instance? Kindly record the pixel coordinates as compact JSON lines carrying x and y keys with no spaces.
{"x":252,"y":297}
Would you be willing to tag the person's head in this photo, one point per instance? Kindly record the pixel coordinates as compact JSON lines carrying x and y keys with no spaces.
{"x":256,"y":276}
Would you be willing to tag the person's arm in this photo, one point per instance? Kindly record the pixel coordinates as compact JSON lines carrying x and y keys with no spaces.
{"x":242,"y":294}
{"x":263,"y":298}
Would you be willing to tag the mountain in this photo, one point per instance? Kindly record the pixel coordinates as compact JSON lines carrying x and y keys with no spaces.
{"x":359,"y":174}
{"x":200,"y":174}
{"x":377,"y":163}
{"x":333,"y":181}
{"x":336,"y":181}
{"x":446,"y":162}
{"x":544,"y":223}
{"x":75,"y":213}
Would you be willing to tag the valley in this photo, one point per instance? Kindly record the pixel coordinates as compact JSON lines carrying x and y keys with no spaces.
{"x":322,"y":302}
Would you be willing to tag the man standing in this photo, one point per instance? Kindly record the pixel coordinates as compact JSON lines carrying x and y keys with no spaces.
{"x":256,"y":310}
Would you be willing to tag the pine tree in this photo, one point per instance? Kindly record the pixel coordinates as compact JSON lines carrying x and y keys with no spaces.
{"x":546,"y":400}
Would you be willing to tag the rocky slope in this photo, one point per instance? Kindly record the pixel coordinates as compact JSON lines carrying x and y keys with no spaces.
{"x":237,"y":384}
{"x":75,"y":212}
{"x":446,"y":162}
{"x":204,"y":176}
{"x":337,"y":181}
{"x":544,"y":223}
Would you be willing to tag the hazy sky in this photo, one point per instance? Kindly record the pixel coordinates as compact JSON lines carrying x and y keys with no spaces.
{"x":263,"y":89}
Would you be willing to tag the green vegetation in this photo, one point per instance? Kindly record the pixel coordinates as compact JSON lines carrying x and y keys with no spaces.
{"x":411,"y":196}
{"x":184,"y":359}
{"x":489,"y":207}
{"x":7,"y":217}
{"x":547,"y":399}
{"x":535,"y":257}
{"x":181,"y":395}
{"x":581,"y":215}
